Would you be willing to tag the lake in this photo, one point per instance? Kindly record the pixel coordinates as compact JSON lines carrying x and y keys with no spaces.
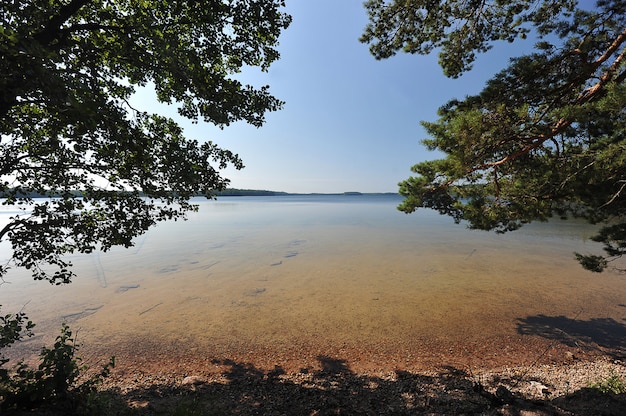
{"x":285,"y":280}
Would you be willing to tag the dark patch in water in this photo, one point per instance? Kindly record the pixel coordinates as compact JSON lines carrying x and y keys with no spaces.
{"x":126,"y":288}
{"x":208,"y":266}
{"x":85,"y":312}
{"x":149,"y":309}
{"x":256,"y":291}
{"x":291,"y":254}
{"x":169,"y":269}
{"x":277,"y":264}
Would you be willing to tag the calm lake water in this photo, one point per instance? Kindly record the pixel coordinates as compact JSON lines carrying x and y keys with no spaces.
{"x":272,"y":280}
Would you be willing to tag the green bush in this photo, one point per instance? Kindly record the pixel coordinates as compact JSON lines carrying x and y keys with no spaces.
{"x":54,"y":382}
{"x":12,"y":329}
{"x":612,"y":384}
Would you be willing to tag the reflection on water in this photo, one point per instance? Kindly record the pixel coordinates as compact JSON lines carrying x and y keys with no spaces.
{"x":290,"y":274}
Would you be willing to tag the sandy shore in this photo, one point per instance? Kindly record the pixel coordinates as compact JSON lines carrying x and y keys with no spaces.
{"x":528,"y":375}
{"x":541,"y":376}
{"x":379,"y":356}
{"x":555,"y":383}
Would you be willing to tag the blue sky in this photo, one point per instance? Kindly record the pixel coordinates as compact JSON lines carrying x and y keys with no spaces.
{"x":350,"y":123}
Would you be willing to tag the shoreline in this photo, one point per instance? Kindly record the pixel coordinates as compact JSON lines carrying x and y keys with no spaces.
{"x":180,"y":361}
{"x":549,"y":386}
{"x":378,"y":356}
{"x":163,"y":354}
{"x":523,"y":375}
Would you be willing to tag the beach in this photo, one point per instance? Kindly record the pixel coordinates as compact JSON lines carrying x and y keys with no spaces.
{"x":310,"y":287}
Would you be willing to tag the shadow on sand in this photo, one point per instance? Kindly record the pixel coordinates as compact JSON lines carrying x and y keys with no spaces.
{"x":244,"y":389}
{"x":604,"y":334}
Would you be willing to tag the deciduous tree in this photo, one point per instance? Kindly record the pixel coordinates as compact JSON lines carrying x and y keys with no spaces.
{"x":545,"y":136}
{"x":68,"y":69}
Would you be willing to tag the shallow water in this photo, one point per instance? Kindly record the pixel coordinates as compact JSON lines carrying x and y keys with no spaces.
{"x":304,"y":276}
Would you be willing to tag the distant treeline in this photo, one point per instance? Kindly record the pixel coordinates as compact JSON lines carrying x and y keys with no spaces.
{"x":247,"y":192}
{"x":256,"y":192}
{"x":225,"y":192}
{"x":33,"y":194}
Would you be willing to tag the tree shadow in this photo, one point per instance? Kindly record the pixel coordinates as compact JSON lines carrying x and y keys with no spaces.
{"x":244,"y":389}
{"x":336,"y":389}
{"x":605,"y":334}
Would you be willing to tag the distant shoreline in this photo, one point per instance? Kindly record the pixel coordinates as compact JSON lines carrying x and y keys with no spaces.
{"x":254,"y":192}
{"x":225,"y":192}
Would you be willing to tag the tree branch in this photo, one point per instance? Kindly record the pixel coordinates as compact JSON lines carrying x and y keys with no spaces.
{"x":47,"y":35}
{"x":616,"y":195}
{"x":589,"y":94}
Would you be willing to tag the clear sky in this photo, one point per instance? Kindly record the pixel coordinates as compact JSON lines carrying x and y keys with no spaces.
{"x":350,"y":123}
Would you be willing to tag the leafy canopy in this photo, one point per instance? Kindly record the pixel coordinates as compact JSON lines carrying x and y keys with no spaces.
{"x":545,"y":136}
{"x":68,"y":132}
